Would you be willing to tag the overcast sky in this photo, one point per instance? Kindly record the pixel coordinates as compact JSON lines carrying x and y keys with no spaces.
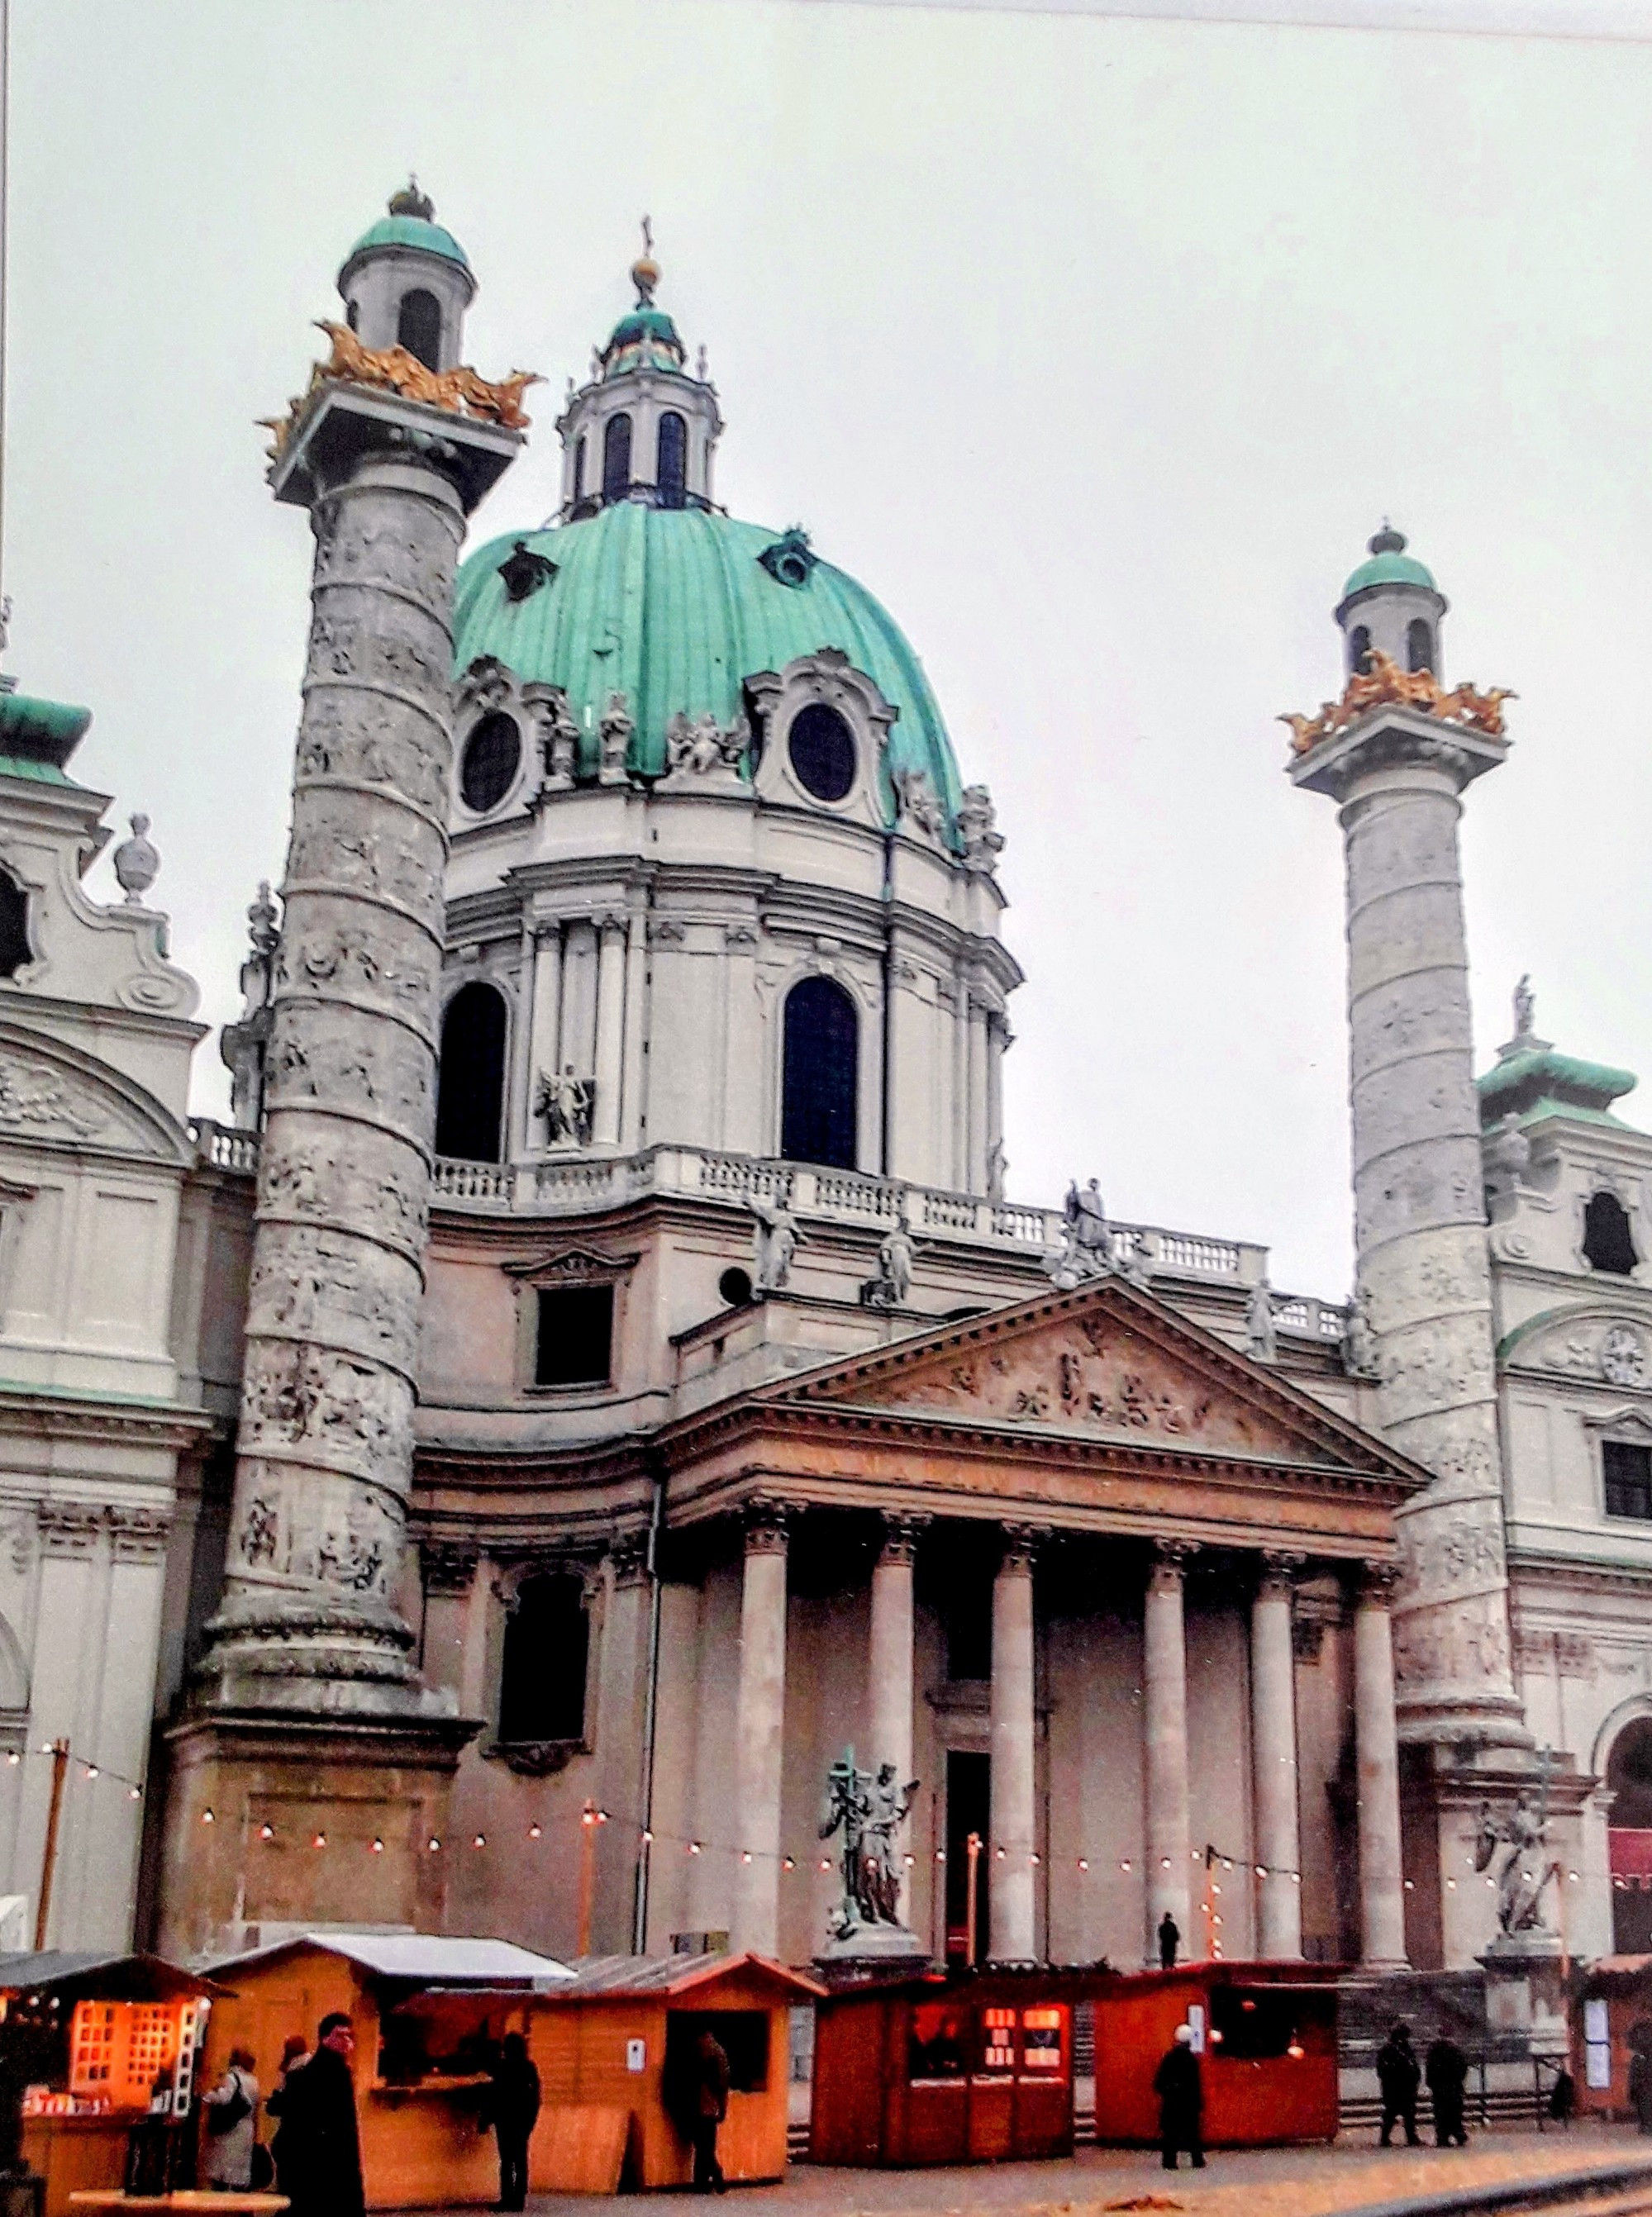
{"x":1095,"y":347}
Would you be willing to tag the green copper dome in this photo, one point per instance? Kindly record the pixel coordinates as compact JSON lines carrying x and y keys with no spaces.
{"x":675,"y":608}
{"x":1389,"y":565}
{"x":410,"y":231}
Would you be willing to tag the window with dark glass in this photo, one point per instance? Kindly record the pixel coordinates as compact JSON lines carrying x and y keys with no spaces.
{"x":542,"y":1673}
{"x":487,"y":768}
{"x":1419,"y":644}
{"x":671,"y":471}
{"x":14,"y":926}
{"x":819,"y":1075}
{"x":419,"y":327}
{"x":822,"y":749}
{"x":470,"y":1078}
{"x":579,"y":468}
{"x":616,"y":458}
{"x":1607,"y":1244}
{"x":1627,"y":1467}
{"x":1359,"y":650}
{"x":574,"y":1345}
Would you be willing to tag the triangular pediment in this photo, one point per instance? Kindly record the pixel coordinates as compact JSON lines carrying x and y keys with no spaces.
{"x":1107,"y":1363}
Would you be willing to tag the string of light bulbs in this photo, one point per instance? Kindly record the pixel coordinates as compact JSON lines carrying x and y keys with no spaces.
{"x":88,"y":1768}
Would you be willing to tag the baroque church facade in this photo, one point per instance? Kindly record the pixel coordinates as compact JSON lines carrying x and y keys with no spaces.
{"x":600,"y":1373}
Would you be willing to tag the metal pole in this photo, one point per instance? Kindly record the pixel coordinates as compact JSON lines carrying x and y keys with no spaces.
{"x":49,"y":1856}
{"x":971,"y":1849}
{"x":587,"y":1872}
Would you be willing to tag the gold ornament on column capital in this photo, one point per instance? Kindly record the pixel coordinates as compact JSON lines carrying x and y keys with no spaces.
{"x":1385,"y":685}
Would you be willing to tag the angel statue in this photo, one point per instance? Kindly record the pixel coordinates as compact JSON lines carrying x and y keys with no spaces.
{"x":1525,"y":1869}
{"x":888,"y":1804}
{"x":845,"y":1810}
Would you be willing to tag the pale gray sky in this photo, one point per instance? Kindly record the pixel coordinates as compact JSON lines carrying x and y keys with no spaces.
{"x":1096,"y":347}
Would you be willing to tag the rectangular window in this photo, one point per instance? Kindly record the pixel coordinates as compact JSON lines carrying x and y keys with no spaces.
{"x":1628,"y":1469}
{"x":575,"y":1346}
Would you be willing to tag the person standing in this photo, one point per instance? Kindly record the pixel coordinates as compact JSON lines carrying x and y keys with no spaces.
{"x":295,"y":2054}
{"x":1640,"y":2087}
{"x":231,"y":2113}
{"x":1399,"y":2076}
{"x":321,"y":2145}
{"x":710,"y":2107}
{"x":511,"y":2107}
{"x":1170,"y":1939}
{"x":1446,"y":2070}
{"x":1179,"y":2085}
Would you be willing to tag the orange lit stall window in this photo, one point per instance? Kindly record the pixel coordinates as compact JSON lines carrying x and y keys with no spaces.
{"x":998,"y":2040}
{"x":1041,"y":2040}
{"x":119,"y":2048}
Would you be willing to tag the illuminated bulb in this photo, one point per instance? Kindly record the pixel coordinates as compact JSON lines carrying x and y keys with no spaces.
{"x":480,"y":1840}
{"x":745,"y":1855}
{"x":1164,"y":1862}
{"x":133,"y":1793}
{"x":786,"y":1863}
{"x":1296,"y":1878}
{"x":694,"y":1847}
{"x":940,"y":1855}
{"x":1261,"y":1870}
{"x":825,"y":1862}
{"x":266,"y":1832}
{"x":13,"y":1756}
{"x":1226,"y":1862}
{"x":1295,"y":2049}
{"x":378,"y":1846}
{"x":648,"y":1839}
{"x":999,"y":1853}
{"x":319,"y":1841}
{"x":1215,"y":1887}
{"x":1032,"y":1859}
{"x":1410,"y":1886}
{"x":1083,"y":1863}
{"x":601,"y":1815}
{"x":538,"y":1833}
{"x":910,"y":1860}
{"x":433,"y":1843}
{"x":1451,"y":1882}
{"x":91,"y":1770}
{"x":1124,"y":1862}
{"x":206,"y":1817}
{"x":1572,"y":1875}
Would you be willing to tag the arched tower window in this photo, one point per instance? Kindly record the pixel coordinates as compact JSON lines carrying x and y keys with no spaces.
{"x":14,"y":926}
{"x":672,"y":470}
{"x":418,"y":326}
{"x":616,"y":458}
{"x":1607,"y":1244}
{"x":1629,"y":1776}
{"x":1359,"y":650}
{"x":580,"y":468}
{"x":1419,"y":644}
{"x":819,"y":1075}
{"x":542,"y":1673}
{"x":470,"y":1083}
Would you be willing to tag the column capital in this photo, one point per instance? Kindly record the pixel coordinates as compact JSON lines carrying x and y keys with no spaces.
{"x":902,"y":1530}
{"x":1280,"y":1569}
{"x":1021,"y":1546}
{"x":767,"y":1523}
{"x":449,"y":1565}
{"x":610,"y":921}
{"x":628,"y":1557}
{"x":1374,"y":1584}
{"x":1169,"y":1566}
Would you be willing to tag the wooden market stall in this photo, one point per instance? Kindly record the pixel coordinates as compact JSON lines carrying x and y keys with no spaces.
{"x":1612,"y":2017}
{"x":614,"y":2051}
{"x":96,"y":2044}
{"x":428,"y":2013}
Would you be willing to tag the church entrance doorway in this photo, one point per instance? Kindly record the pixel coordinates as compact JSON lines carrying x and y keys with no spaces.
{"x":969,"y":1809}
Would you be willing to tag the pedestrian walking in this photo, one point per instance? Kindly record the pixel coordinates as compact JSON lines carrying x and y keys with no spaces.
{"x":1446,"y":2070}
{"x":1640,"y":2087}
{"x":511,"y":2105}
{"x":1170,"y":1939}
{"x":231,"y":2113}
{"x":1179,"y":2085}
{"x":295,"y":2054}
{"x":320,"y":2152}
{"x":709,"y":2100}
{"x":1399,"y":2076}
{"x":1562,"y":2096}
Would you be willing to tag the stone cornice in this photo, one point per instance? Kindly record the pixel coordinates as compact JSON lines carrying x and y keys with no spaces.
{"x":33,"y":1412}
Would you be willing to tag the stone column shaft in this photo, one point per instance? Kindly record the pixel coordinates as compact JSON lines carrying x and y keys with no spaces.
{"x":1382,"y":1873}
{"x":521,"y":1104}
{"x":889,"y":1705}
{"x":610,"y":1028}
{"x":1273,"y":1743}
{"x":546,"y":1053}
{"x":759,"y":1730}
{"x":633,"y":1062}
{"x":1164,"y":1706}
{"x":1014,"y":1723}
{"x":978,"y":1095}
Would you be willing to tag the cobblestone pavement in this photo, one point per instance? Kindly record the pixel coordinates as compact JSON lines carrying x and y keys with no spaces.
{"x":1247,"y":2183}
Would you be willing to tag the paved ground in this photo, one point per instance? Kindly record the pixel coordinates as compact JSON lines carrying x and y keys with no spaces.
{"x":1251,"y":2183}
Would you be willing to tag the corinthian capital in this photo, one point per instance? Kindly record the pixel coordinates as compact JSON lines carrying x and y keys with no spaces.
{"x":902,"y":1530}
{"x":767,"y":1525}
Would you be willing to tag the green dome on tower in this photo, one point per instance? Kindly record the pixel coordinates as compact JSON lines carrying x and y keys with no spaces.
{"x":675,"y":608}
{"x":1389,"y":565}
{"x":409,"y":224}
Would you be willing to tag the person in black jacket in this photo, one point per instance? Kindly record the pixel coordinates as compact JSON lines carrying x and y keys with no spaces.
{"x":1181,"y":2089}
{"x":1170,"y":1939}
{"x":1399,"y":2076}
{"x":1447,"y":2070}
{"x":321,"y":2146}
{"x":511,"y":2107}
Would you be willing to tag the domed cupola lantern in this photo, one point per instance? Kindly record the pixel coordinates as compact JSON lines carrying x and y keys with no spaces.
{"x":1392,"y":603}
{"x":643,"y":429}
{"x":407,"y":282}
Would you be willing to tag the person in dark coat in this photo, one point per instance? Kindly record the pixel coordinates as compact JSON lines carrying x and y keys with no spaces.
{"x":1170,"y":1939}
{"x":295,"y":2054}
{"x":321,"y":2146}
{"x":511,"y":2107}
{"x":1447,"y":2070}
{"x":708,"y":2106}
{"x":1640,"y":2087}
{"x":1399,"y":2076}
{"x":1180,"y":2088}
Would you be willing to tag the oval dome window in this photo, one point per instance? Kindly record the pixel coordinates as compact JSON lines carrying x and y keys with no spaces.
{"x":822,"y":749}
{"x":487,"y":768}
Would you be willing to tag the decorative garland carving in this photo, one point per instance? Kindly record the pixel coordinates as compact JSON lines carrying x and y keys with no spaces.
{"x":1386,"y":685}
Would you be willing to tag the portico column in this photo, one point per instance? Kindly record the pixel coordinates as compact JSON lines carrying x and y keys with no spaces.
{"x":544,"y":1055}
{"x":889,"y":1702}
{"x":522,"y":1056}
{"x":1010,"y":1851}
{"x":1163,"y":1706}
{"x":610,"y":1012}
{"x":760,"y":1729}
{"x":1382,"y":1880}
{"x":1273,"y":1749}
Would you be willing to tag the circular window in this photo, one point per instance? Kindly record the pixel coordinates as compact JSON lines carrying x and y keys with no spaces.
{"x":822,"y":749}
{"x":488,"y":766}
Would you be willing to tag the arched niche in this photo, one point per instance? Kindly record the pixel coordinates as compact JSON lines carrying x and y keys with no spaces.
{"x":470,"y":1080}
{"x":819,"y":1075}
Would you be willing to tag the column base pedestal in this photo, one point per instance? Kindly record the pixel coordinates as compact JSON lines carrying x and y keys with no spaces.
{"x":321,"y":1811}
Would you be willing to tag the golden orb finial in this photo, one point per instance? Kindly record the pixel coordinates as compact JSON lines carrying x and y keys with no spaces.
{"x":645,"y":270}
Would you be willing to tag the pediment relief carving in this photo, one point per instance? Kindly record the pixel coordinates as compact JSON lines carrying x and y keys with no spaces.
{"x":52,"y":1093}
{"x":571,"y":1265}
{"x":1598,"y":1341}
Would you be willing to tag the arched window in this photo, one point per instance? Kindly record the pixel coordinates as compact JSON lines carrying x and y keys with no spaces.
{"x":470,"y":1082}
{"x":488,"y":766}
{"x":1629,"y":1776}
{"x":819,"y":1075}
{"x":579,"y":469}
{"x":616,"y":458}
{"x":14,"y":926}
{"x":1359,"y":650}
{"x":419,"y":327}
{"x":671,"y":469}
{"x":542,"y":1671}
{"x":1607,"y":1244}
{"x":1419,"y":644}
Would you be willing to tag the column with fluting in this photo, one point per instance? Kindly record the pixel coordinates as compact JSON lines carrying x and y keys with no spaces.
{"x":1382,"y":1874}
{"x":1164,"y":1721}
{"x":545,"y":1053}
{"x":1014,"y":1723}
{"x":1273,"y":1747}
{"x":760,"y":1729}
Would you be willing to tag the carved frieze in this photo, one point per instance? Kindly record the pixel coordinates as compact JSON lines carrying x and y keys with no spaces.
{"x":40,"y":1101}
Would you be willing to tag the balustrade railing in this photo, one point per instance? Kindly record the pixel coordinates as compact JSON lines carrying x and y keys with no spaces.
{"x":226,"y":1146}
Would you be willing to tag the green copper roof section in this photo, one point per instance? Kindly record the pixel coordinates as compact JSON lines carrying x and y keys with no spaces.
{"x":409,"y":231}
{"x":1389,"y":565}
{"x":1534,"y":1081}
{"x":38,"y":737}
{"x":673,"y":607}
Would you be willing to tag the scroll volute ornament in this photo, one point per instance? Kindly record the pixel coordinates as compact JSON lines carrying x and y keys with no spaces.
{"x":460,"y":391}
{"x":1386,"y":685}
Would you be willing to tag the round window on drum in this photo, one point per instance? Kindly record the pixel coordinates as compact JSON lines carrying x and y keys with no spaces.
{"x":487,"y":768}
{"x":822,"y":750}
